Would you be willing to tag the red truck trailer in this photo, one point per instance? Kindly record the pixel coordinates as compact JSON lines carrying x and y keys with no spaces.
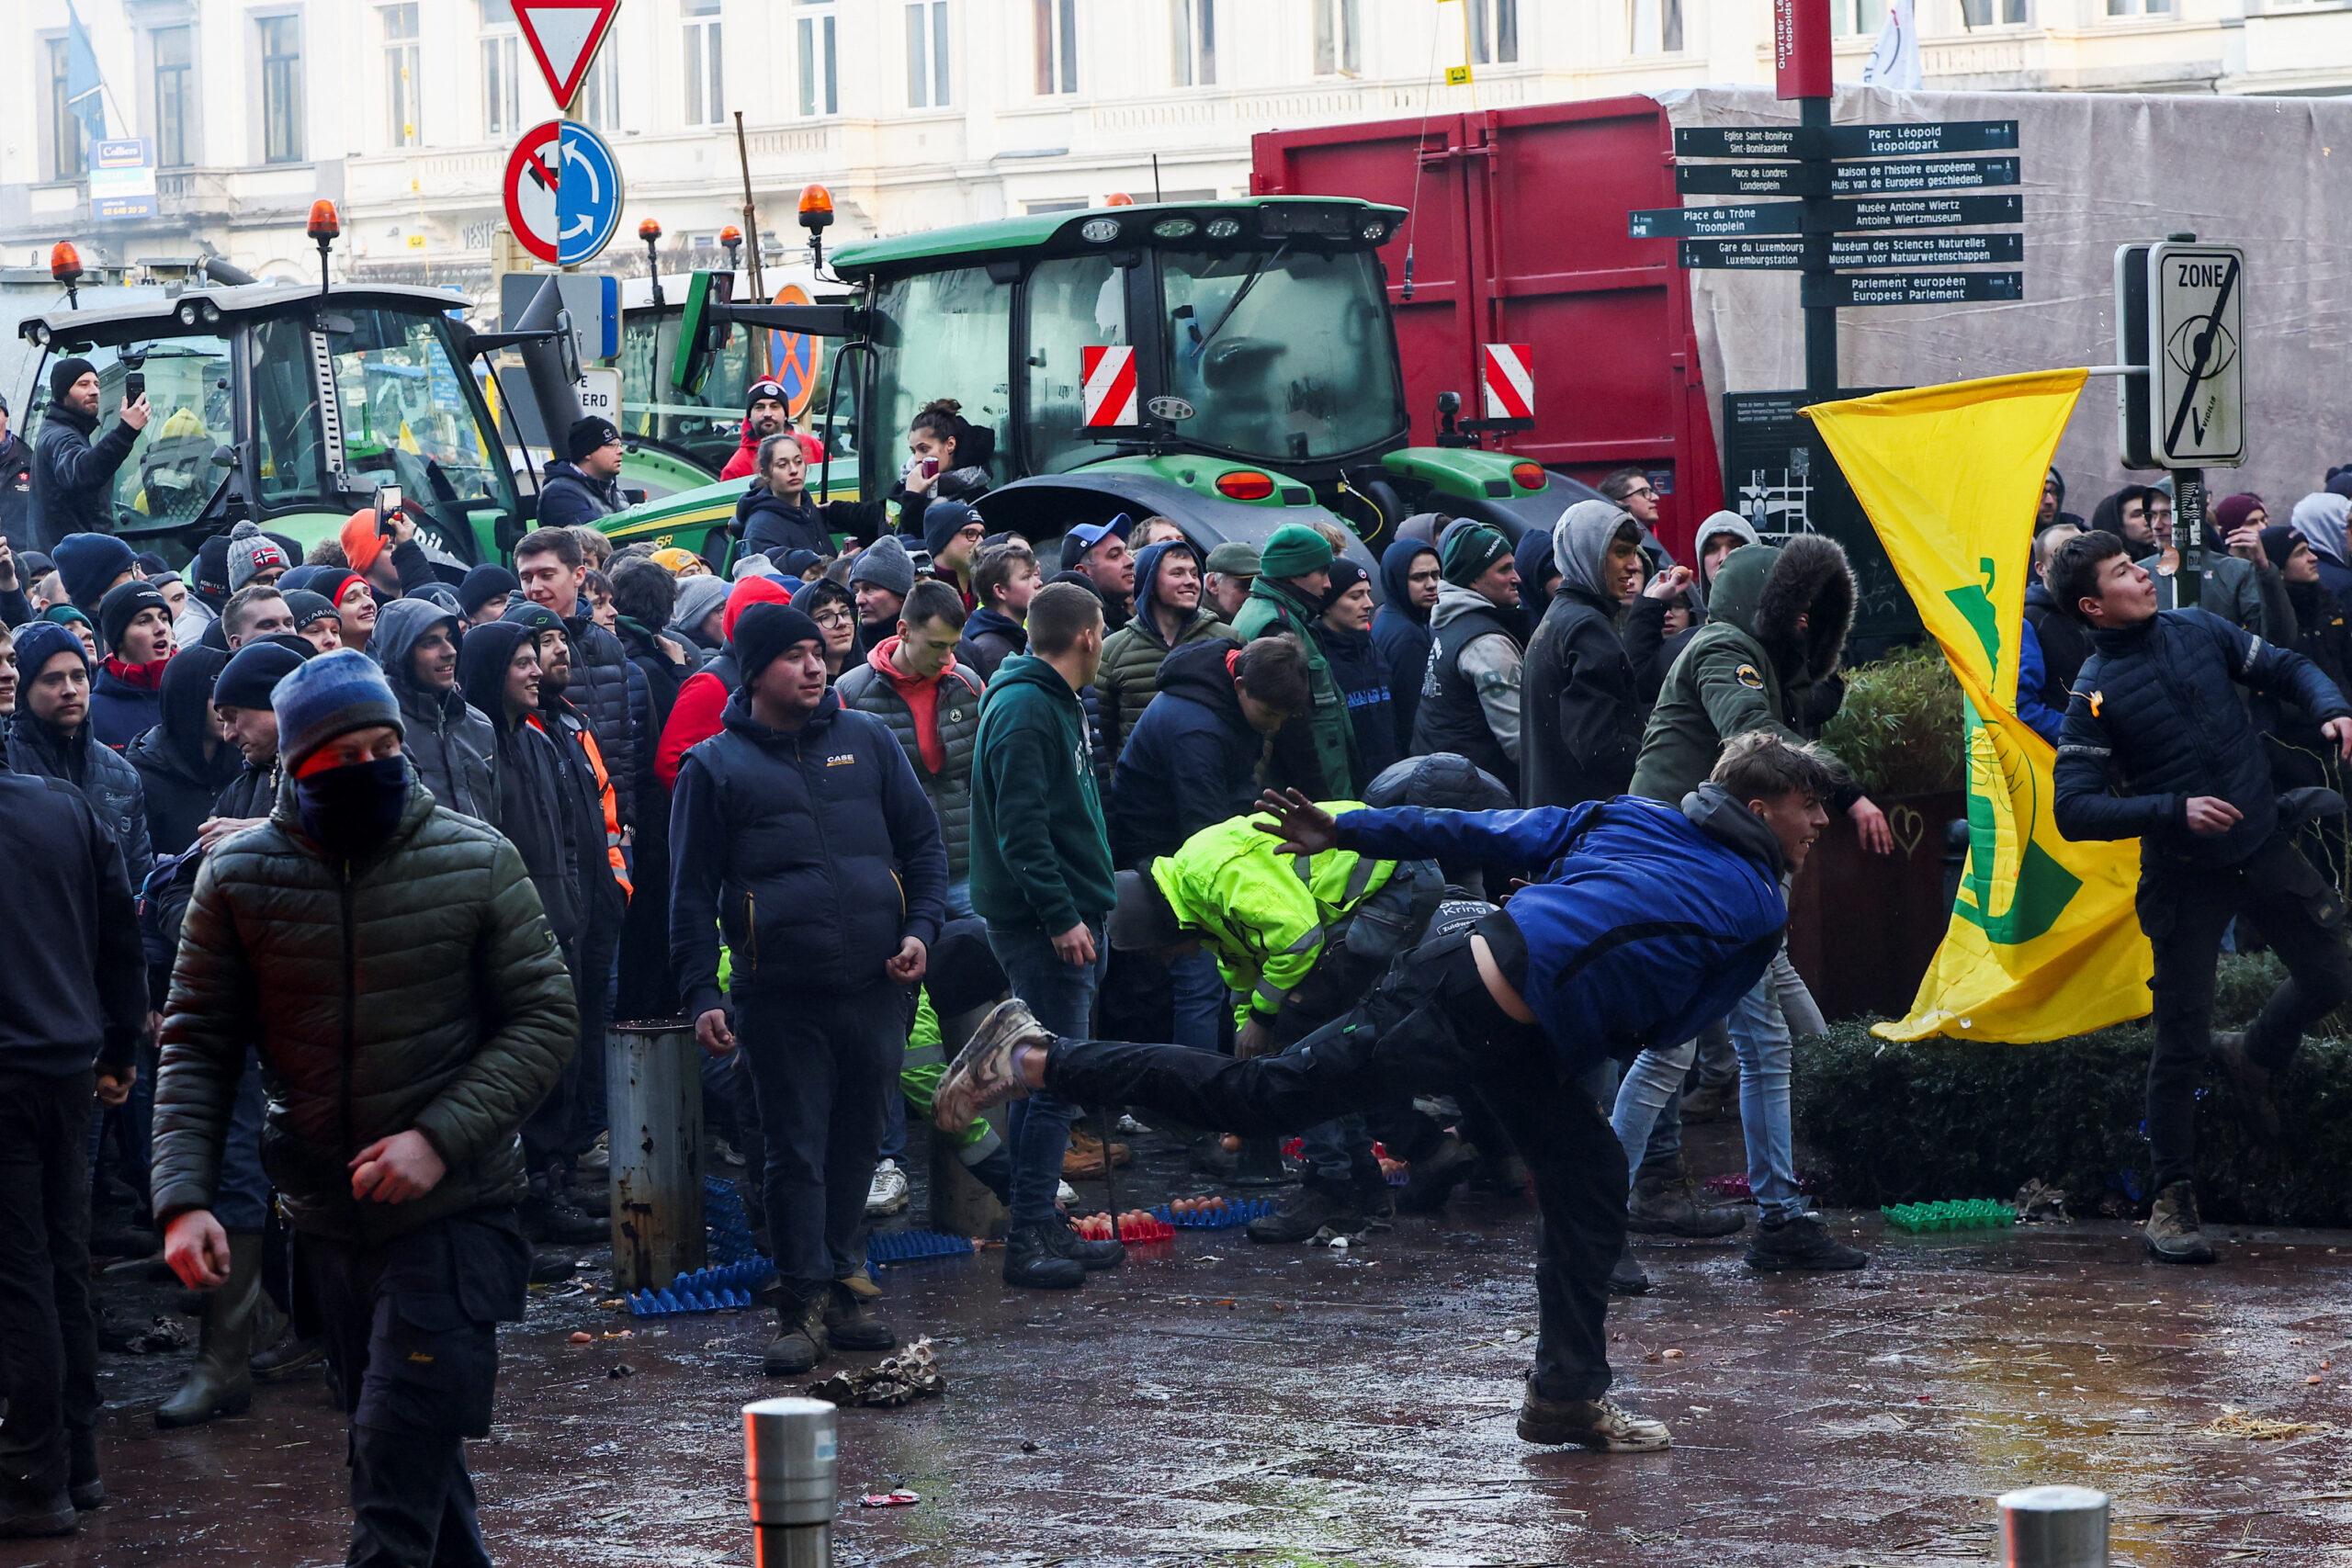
{"x":1519,"y":237}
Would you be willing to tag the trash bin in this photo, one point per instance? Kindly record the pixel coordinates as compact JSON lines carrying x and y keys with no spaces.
{"x":653,"y":1100}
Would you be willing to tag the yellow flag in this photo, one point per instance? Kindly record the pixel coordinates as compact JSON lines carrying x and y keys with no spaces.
{"x":2043,"y":942}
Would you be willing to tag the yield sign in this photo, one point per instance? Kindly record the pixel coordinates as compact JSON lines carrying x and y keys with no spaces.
{"x":563,"y":35}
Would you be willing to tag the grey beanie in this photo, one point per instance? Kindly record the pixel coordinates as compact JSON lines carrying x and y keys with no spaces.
{"x":697,"y":597}
{"x":886,"y":564}
{"x":251,"y":553}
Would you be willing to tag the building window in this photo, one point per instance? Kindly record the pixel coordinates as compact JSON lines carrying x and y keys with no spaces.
{"x":1493,"y":31}
{"x":281,"y":89}
{"x":1339,"y":39}
{"x":820,"y":91}
{"x":173,"y":50}
{"x":705,"y":77}
{"x":928,"y":85}
{"x":403,"y":79}
{"x":1057,"y":28}
{"x":501,"y":61}
{"x":1192,"y":34}
{"x":600,"y":95}
{"x":2139,"y":8}
{"x":1657,"y":27}
{"x":69,"y":155}
{"x":2003,"y":12}
{"x":1854,"y":18}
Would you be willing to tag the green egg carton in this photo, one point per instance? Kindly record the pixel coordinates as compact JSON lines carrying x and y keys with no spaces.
{"x":1960,"y":1215}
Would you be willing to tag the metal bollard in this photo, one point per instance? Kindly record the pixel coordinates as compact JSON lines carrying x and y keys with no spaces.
{"x":788,"y":1469}
{"x":2053,"y":1527}
{"x":653,"y":1101}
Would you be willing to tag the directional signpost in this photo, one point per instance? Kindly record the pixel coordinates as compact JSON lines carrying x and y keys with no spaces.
{"x":563,"y":193}
{"x":1910,"y":287}
{"x":1851,"y":251}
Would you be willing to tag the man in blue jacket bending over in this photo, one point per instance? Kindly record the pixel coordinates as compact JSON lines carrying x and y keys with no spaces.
{"x":1642,"y":923}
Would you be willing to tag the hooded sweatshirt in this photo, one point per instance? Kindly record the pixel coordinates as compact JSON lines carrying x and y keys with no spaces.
{"x":1470,"y":691}
{"x":180,"y":779}
{"x":1580,"y":716}
{"x":1400,"y":631}
{"x":2319,"y":518}
{"x":453,"y":744}
{"x":1132,"y":655}
{"x":1647,"y":647}
{"x":991,"y":637}
{"x":536,"y":809}
{"x":1535,"y":558}
{"x":1041,"y":853}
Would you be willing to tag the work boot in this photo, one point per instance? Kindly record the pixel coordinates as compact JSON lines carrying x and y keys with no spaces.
{"x":83,"y":1485}
{"x":2172,"y":1234}
{"x":1375,"y":1200}
{"x":548,"y":1215}
{"x":1625,"y":1275}
{"x":220,"y":1384}
{"x":887,"y":1194}
{"x":1308,"y":1212}
{"x":1600,"y":1423}
{"x":1711,"y":1103}
{"x":1800,"y":1243}
{"x":982,"y":1074}
{"x":801,"y":1341}
{"x":2257,"y":1106}
{"x":593,"y":1199}
{"x":52,"y":1515}
{"x":552,"y":1265}
{"x":1091,"y":1256}
{"x":852,"y":1323}
{"x":1083,"y":1160}
{"x":595,"y":1161}
{"x":1210,"y":1158}
{"x":1501,"y":1176}
{"x":1032,"y":1260}
{"x":1431,"y":1179}
{"x":291,"y":1357}
{"x":1670,"y":1206}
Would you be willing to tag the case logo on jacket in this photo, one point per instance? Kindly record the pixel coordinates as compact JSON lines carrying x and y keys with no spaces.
{"x":842,"y":759}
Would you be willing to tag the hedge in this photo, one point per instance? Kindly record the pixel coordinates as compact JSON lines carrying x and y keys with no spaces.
{"x":1887,"y":1122}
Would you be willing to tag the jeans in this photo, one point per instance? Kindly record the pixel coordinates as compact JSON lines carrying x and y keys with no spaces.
{"x":1203,"y":1003}
{"x":1760,"y":1034}
{"x":959,"y":900}
{"x":241,"y":1193}
{"x":48,"y":1340}
{"x":410,"y":1329}
{"x":823,"y":1063}
{"x":1062,"y":996}
{"x":1428,"y":1025}
{"x":2184,"y":911}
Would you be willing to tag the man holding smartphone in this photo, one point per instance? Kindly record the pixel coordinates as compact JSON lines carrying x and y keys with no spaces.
{"x":72,"y":474}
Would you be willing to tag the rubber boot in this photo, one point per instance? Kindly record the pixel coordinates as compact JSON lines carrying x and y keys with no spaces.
{"x":222,"y":1382}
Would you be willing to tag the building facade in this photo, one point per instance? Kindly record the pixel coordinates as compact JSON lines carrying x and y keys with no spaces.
{"x":915,"y":113}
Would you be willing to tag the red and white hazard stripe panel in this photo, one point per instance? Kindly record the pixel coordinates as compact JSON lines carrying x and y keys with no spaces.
{"x":1109,"y":375}
{"x":1507,"y":373}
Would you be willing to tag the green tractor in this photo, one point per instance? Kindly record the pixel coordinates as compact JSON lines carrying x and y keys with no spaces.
{"x":1267,"y":388}
{"x":294,"y":405}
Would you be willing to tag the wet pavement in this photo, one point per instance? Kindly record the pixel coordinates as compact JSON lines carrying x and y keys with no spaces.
{"x":1216,"y":1401}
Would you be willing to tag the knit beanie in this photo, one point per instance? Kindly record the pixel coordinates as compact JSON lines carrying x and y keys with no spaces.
{"x":253,"y":673}
{"x":89,"y":563}
{"x":211,"y":567}
{"x":121,"y":607}
{"x":677,"y":557}
{"x":1296,"y":550}
{"x":750,"y":591}
{"x":796,"y":563}
{"x":64,"y":373}
{"x":2279,"y":542}
{"x":363,"y":541}
{"x":482,"y":584}
{"x":697,"y":597}
{"x":2231,"y":512}
{"x":1469,"y":554}
{"x":752,"y":564}
{"x":307,"y":607}
{"x":764,"y":390}
{"x":1345,"y":574}
{"x":251,"y":552}
{"x":587,"y":433}
{"x":37,"y":642}
{"x":765,"y":631}
{"x":886,"y":564}
{"x":331,"y":695}
{"x":943,"y":519}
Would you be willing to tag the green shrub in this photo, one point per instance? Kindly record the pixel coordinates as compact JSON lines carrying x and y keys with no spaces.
{"x":1893,"y":1124}
{"x":1900,"y":726}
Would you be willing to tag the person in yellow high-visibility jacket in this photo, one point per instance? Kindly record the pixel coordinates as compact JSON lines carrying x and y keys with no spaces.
{"x":1298,"y":940}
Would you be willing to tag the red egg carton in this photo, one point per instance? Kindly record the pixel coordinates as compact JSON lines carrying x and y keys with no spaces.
{"x":1134,"y":1228}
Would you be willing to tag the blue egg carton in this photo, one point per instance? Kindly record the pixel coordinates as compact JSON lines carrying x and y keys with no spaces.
{"x":676,"y":1299}
{"x":1237,"y":1212}
{"x":907,"y":1247}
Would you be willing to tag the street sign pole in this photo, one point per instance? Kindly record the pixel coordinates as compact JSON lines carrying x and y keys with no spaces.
{"x":1801,"y":41}
{"x":2189,"y":530}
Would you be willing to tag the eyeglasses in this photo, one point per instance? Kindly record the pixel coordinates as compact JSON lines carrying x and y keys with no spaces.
{"x":831,"y":616}
{"x":1645,"y":493}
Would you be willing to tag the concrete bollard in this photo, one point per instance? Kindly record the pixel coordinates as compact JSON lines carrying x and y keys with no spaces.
{"x":653,"y":1099}
{"x":2053,"y":1527}
{"x":789,"y":1471}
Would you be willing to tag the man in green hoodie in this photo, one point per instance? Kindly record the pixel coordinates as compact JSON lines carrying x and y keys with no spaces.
{"x":1293,"y":574}
{"x":1041,"y":878}
{"x":1766,"y":659}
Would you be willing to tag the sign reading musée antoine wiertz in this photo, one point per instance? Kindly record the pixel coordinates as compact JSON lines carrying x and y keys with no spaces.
{"x":1779,"y":477}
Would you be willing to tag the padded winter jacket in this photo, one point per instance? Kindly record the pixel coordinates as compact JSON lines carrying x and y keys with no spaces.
{"x":72,"y":476}
{"x":568,"y":497}
{"x":110,"y":784}
{"x":815,"y":852}
{"x":1193,"y":760}
{"x":1580,"y":718}
{"x":180,"y":782}
{"x":610,"y":693}
{"x":1129,"y":678}
{"x":451,"y":742}
{"x":956,"y":716}
{"x":1273,"y":607}
{"x":421,"y":989}
{"x":2156,"y":718}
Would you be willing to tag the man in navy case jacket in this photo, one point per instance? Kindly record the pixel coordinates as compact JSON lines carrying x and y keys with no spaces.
{"x":1641,"y":922}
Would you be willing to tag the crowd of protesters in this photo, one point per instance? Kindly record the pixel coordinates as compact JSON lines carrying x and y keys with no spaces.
{"x":833,"y":785}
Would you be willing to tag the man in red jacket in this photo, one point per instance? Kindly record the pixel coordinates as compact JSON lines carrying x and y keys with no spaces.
{"x":694,"y":717}
{"x":763,"y":416}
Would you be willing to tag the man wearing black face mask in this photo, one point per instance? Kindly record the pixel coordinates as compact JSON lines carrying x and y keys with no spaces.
{"x":394,"y":965}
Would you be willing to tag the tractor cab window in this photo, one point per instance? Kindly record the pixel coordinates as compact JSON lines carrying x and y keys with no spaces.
{"x":1072,"y":303}
{"x":942,"y":335}
{"x":1287,"y":355}
{"x":169,"y":474}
